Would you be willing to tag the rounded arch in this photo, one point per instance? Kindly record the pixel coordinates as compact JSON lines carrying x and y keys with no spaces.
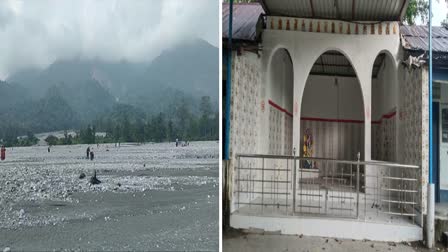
{"x":308,"y":68}
{"x":270,"y":59}
{"x":274,"y":51}
{"x":332,"y":106}
{"x":281,"y":78}
{"x":388,"y":55}
{"x":384,"y":90}
{"x":280,"y":86}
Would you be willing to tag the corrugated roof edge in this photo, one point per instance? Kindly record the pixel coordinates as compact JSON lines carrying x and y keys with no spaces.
{"x":415,"y":38}
{"x":245,"y":20}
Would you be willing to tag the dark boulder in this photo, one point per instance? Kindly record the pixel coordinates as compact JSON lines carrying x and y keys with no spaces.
{"x":94,"y":180}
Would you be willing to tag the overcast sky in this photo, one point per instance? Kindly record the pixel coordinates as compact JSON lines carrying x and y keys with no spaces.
{"x":35,"y":33}
{"x":439,"y":10}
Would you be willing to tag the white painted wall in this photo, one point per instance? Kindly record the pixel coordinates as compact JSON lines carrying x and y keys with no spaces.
{"x":281,"y":78}
{"x":254,"y":84}
{"x":320,"y":98}
{"x":280,"y":92}
{"x":385,"y":89}
{"x":361,"y":51}
{"x":385,"y":100}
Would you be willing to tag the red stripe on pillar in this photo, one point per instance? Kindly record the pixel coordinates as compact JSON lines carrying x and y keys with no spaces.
{"x":275,"y":105}
{"x":386,"y":116}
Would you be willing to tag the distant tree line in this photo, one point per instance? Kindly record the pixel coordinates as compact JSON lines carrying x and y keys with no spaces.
{"x":125,"y":124}
{"x":27,"y":140}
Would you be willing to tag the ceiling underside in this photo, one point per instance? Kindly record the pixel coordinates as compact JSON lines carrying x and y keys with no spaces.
{"x":334,"y":63}
{"x":350,"y":10}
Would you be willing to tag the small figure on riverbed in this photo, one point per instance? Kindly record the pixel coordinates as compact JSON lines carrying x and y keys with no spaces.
{"x":92,"y":156}
{"x":94,"y":180}
{"x":177,"y":142}
{"x":88,"y":152}
{"x":3,"y":153}
{"x":48,"y":149}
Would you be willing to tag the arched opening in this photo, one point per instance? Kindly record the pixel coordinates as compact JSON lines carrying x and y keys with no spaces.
{"x":331,"y":127}
{"x":384,"y":109}
{"x":332,"y":110}
{"x":280,"y":99}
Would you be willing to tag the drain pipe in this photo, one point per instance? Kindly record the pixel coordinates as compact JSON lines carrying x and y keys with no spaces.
{"x":431,"y":194}
{"x":228,"y":84}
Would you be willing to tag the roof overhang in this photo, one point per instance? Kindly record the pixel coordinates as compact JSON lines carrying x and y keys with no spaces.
{"x":348,"y":10}
{"x":334,"y":63}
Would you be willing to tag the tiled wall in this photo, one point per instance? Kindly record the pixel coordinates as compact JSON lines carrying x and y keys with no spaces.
{"x":275,"y":131}
{"x":413,"y":122}
{"x":245,"y":104}
{"x":287,"y":144}
{"x":280,"y":132}
{"x":246,"y":110}
{"x":384,"y":139}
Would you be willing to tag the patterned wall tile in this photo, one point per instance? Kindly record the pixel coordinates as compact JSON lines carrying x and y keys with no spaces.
{"x":414,"y":124}
{"x":245,"y":99}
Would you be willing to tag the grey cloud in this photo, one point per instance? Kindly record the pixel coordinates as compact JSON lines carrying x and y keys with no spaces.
{"x":36,"y":33}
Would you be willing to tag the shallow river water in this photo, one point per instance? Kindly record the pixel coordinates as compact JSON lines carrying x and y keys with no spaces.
{"x":152,"y":197}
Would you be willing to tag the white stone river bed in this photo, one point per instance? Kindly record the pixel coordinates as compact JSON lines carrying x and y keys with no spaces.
{"x":152,"y":197}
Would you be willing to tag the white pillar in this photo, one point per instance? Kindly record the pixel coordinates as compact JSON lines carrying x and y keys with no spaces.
{"x":299,"y":85}
{"x":366,"y":84}
{"x":430,"y":217}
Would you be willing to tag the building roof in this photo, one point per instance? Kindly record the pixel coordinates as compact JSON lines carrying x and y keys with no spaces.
{"x":415,"y":42}
{"x":416,"y":38}
{"x":245,"y":18}
{"x":349,"y":10}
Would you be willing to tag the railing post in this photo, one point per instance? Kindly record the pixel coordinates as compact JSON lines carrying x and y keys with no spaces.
{"x":294,"y":184}
{"x":262,"y":184}
{"x":239,"y":181}
{"x":357,"y":186}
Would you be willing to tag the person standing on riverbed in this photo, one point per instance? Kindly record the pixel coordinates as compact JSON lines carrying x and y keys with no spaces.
{"x":92,"y":156}
{"x":88,"y":152}
{"x":3,"y":153}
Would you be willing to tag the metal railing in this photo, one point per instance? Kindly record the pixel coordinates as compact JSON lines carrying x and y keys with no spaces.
{"x":366,"y":190}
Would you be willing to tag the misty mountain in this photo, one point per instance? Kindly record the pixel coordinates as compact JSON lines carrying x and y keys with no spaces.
{"x":52,"y":112}
{"x":48,"y":113}
{"x":114,"y":77}
{"x":87,"y":98}
{"x":192,"y":68}
{"x":75,"y":92}
{"x":9,"y":95}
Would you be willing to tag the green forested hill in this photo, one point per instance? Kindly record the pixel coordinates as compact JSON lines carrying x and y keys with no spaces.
{"x":72,"y":94}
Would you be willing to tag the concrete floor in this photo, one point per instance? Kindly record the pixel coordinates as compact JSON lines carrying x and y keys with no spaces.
{"x":366,"y":211}
{"x":236,"y":241}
